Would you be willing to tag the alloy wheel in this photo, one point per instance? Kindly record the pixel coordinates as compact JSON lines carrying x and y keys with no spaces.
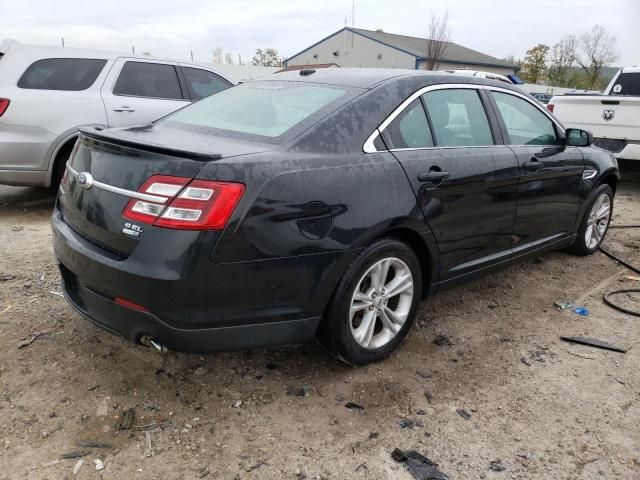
{"x":381,"y":303}
{"x":598,"y":221}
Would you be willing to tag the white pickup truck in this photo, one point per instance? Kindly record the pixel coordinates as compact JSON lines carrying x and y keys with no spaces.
{"x":613,"y":118}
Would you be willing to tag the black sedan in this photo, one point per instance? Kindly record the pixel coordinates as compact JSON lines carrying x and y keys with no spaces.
{"x":319,"y":204}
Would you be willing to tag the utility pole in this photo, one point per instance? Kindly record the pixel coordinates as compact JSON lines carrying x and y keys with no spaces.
{"x":133,"y":49}
{"x":239,"y":59}
{"x":353,"y":13}
{"x":62,"y":38}
{"x":192,"y":55}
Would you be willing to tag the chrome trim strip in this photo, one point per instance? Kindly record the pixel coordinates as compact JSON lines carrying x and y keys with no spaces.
{"x":528,"y":99}
{"x":122,"y":191}
{"x":589,"y":173}
{"x":369,"y":147}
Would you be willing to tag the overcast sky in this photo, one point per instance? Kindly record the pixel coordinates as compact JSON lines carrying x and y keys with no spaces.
{"x":174,"y":28}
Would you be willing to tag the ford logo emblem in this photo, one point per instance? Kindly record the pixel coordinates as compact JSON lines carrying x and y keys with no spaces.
{"x":85,"y":180}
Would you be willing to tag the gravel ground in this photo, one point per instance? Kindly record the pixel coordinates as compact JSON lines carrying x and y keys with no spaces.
{"x":504,"y":388}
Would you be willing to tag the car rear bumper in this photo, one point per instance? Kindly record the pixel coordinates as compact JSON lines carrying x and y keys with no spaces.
{"x":622,"y":149}
{"x":133,"y":325}
{"x":244,"y":304}
{"x":25,"y":178}
{"x":630,"y":152}
{"x":24,"y":155}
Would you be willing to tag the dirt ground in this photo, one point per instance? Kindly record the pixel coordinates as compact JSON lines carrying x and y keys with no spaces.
{"x":537,"y":406}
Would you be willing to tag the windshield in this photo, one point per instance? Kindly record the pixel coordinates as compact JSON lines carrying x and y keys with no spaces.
{"x":264,"y":109}
{"x":627,"y":84}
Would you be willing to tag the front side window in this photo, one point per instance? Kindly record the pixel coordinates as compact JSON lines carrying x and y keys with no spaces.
{"x":71,"y":74}
{"x":152,"y":80}
{"x":525,"y":123}
{"x":265,"y":109}
{"x":458,"y":118}
{"x":203,"y":83}
{"x":410,"y":129}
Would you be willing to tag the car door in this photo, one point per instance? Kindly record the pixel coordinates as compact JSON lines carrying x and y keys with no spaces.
{"x":464,"y":180}
{"x":140,"y":91}
{"x":550,"y":182}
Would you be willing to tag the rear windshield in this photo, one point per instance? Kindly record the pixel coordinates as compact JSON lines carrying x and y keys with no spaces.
{"x":71,"y":74}
{"x":267,"y":109}
{"x":627,"y":84}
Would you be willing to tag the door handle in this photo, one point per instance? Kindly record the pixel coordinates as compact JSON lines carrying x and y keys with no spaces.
{"x":434,"y":176}
{"x":124,"y":109}
{"x":534,"y":165}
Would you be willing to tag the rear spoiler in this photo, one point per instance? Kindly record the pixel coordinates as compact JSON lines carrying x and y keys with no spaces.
{"x":96,"y":133}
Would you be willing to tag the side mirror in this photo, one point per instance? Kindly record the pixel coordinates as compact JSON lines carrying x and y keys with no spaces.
{"x":578,"y":138}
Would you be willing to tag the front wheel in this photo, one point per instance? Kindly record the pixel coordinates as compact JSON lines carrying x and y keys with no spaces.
{"x":595,"y":223}
{"x":375,"y":304}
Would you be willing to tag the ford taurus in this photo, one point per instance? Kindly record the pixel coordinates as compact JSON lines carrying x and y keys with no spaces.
{"x":320,"y":204}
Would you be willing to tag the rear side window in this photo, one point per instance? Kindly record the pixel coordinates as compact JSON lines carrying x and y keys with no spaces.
{"x":72,"y":74}
{"x":152,"y":80}
{"x":525,"y":124}
{"x":203,"y":83}
{"x":410,"y":129}
{"x":627,"y":84}
{"x":458,"y":118}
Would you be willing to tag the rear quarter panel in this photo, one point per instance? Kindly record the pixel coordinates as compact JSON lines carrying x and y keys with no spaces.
{"x":352,"y":198}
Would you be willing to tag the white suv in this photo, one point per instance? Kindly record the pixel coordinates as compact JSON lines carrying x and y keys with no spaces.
{"x":47,"y":93}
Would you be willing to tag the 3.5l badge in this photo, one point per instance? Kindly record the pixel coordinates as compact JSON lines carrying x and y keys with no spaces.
{"x":132,"y":230}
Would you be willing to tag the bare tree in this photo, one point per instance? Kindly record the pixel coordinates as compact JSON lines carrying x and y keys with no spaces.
{"x":596,"y":49}
{"x":438,"y":40}
{"x":561,"y":59}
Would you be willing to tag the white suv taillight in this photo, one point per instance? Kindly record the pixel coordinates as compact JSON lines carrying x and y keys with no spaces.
{"x":189,"y":204}
{"x":4,"y":104}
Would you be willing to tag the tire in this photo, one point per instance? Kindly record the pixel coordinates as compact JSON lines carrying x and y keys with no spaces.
{"x":389,"y":316}
{"x":60,"y":165}
{"x":587,"y":244}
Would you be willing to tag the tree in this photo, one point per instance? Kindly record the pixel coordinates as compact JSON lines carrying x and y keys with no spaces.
{"x":438,"y":40}
{"x":535,"y":63}
{"x":228,"y":59}
{"x":596,"y":49}
{"x":512,"y":60}
{"x":561,"y":59}
{"x":268,"y":57}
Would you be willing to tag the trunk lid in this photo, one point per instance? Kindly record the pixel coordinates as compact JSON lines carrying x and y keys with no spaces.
{"x":610,"y":116}
{"x":120,"y":165}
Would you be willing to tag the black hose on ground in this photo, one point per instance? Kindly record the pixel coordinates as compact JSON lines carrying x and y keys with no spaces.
{"x":618,"y":259}
{"x":606,"y":296}
{"x":624,"y":226}
{"x":615,"y":306}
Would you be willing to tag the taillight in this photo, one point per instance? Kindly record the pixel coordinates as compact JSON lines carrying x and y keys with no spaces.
{"x":4,"y":104}
{"x":186,"y":204}
{"x":550,"y":107}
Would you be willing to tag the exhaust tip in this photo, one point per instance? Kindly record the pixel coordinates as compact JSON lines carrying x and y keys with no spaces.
{"x":151,"y":342}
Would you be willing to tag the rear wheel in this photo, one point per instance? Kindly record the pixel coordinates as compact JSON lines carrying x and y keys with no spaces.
{"x":61,"y":164}
{"x":595,"y":223}
{"x":375,"y":304}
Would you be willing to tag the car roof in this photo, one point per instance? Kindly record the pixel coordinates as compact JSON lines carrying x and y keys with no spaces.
{"x":633,"y":69}
{"x":31,"y":53}
{"x":370,"y":77}
{"x":49,"y":51}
